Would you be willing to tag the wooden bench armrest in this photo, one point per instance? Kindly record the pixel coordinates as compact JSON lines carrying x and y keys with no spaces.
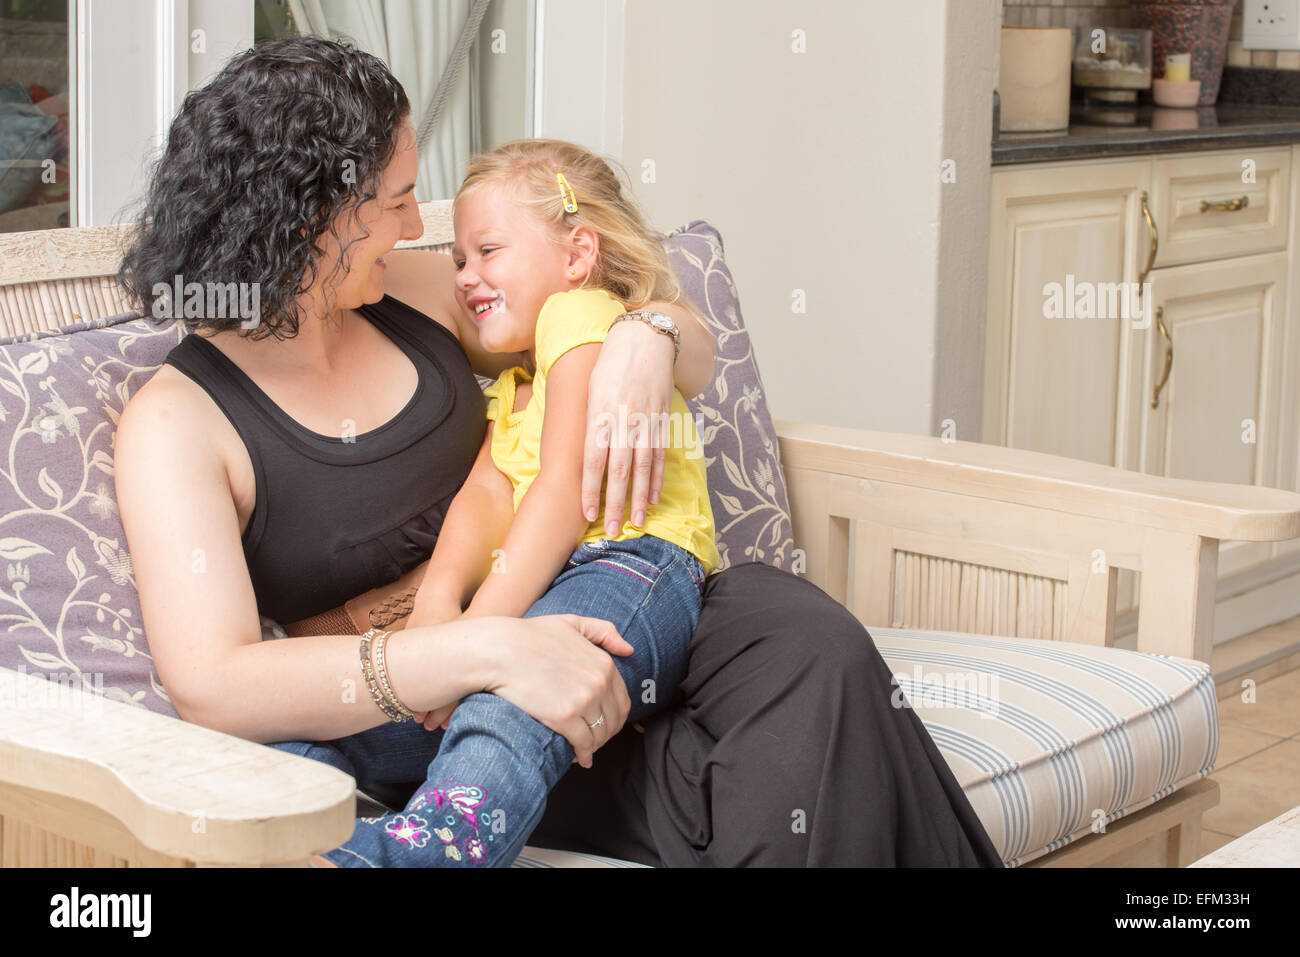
{"x":1210,"y":509}
{"x":181,"y":790}
{"x":971,"y":537}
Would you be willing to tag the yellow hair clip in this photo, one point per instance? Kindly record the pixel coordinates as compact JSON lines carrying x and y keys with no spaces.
{"x":567,"y":194}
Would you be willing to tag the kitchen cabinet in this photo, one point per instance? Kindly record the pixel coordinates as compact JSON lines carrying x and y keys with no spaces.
{"x":1196,"y":383}
{"x":1066,"y":385}
{"x":1215,"y":415}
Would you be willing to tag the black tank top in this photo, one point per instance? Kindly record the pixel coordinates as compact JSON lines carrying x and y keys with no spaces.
{"x":335,"y":517}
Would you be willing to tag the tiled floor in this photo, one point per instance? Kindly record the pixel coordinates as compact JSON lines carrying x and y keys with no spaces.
{"x":1258,"y":769}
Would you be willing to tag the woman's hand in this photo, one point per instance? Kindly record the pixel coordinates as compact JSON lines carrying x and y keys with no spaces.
{"x":629,"y":398}
{"x":558,"y":669}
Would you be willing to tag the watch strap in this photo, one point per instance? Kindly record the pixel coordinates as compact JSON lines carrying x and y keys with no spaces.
{"x":648,"y":318}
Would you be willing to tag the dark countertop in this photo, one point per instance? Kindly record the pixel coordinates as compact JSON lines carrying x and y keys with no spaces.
{"x":1150,"y":129}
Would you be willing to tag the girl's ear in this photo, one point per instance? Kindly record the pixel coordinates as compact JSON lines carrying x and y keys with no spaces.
{"x":584,"y":247}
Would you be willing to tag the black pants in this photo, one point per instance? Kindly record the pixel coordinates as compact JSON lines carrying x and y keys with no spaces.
{"x":782,"y":750}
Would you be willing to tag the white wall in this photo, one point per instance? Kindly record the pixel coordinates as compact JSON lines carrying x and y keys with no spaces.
{"x":227,"y":29}
{"x":970,"y":57}
{"x":822,"y":171}
{"x":579,"y":86}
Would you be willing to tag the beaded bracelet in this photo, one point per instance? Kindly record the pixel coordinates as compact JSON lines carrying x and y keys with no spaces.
{"x":381,"y":672}
{"x":368,"y":671}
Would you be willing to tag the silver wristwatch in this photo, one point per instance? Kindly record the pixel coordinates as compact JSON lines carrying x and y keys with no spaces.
{"x":658,"y":322}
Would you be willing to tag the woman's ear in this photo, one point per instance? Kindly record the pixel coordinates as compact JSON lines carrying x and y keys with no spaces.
{"x":584,"y":247}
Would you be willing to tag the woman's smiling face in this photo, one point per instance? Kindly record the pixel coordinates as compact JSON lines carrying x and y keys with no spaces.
{"x":508,"y":264}
{"x":378,"y":225}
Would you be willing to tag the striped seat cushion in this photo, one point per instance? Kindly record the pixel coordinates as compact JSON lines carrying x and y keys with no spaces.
{"x":1051,"y":740}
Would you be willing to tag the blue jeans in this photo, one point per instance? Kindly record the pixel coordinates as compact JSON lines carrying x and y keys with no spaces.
{"x":486,"y":778}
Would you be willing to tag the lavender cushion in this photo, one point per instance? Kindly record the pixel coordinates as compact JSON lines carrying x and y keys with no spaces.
{"x":746,"y":487}
{"x":67,"y":596}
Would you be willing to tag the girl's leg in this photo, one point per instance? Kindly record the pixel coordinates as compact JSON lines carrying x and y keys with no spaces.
{"x":650,"y":590}
{"x":788,"y":751}
{"x":487,"y":788}
{"x":387,"y":754}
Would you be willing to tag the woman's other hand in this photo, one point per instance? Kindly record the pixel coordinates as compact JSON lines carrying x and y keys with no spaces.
{"x":558,"y":669}
{"x":630,"y":392}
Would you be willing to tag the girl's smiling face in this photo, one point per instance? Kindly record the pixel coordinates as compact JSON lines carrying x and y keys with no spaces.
{"x":508,"y":263}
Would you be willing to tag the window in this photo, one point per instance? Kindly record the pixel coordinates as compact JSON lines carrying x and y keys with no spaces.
{"x":489,"y":91}
{"x":88,"y":88}
{"x":35,"y":109}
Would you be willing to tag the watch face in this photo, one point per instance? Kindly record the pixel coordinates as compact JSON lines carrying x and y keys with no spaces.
{"x":662,"y":322}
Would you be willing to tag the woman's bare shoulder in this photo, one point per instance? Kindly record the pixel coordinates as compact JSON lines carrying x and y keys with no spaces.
{"x":425,"y":281}
{"x":168,"y":393}
{"x":171,"y":415}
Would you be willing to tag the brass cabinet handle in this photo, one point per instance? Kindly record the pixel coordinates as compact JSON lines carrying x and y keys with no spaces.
{"x":1169,"y":355}
{"x":1155,"y":243}
{"x":1226,"y":206}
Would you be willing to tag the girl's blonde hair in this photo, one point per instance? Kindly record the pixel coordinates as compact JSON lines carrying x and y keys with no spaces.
{"x":632,"y":265}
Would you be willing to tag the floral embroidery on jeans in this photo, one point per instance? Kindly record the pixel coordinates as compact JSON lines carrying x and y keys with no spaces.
{"x":450,"y":848}
{"x":460,"y":800}
{"x":408,"y":829}
{"x":474,"y":848}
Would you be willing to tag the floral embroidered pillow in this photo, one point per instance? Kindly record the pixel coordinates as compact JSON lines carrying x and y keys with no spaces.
{"x":746,"y":487}
{"x":67,"y":592}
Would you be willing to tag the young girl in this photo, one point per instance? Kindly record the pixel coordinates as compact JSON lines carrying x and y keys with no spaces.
{"x":549,"y":254}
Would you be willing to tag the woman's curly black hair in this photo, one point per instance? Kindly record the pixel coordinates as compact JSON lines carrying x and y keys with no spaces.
{"x":257,"y":164}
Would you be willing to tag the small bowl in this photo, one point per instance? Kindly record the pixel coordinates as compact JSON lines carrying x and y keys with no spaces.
{"x":1177,"y":93}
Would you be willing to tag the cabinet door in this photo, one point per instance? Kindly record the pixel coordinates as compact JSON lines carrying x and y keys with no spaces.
{"x":1066,"y":386}
{"x":1216,"y":419}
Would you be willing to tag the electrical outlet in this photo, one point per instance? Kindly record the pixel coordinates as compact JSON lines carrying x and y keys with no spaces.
{"x":1270,"y":25}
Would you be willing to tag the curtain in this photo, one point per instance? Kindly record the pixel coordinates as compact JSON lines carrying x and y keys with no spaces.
{"x":415,"y":38}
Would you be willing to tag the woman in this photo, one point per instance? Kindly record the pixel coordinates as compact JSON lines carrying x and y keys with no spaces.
{"x":288,"y":449}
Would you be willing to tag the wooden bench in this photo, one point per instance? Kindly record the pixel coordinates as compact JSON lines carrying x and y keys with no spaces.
{"x":883,"y":521}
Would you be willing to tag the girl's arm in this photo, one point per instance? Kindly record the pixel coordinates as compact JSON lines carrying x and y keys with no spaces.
{"x":549,"y":524}
{"x":476,"y":524}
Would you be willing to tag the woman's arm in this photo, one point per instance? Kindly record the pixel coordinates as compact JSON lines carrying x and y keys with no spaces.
{"x":633,"y":376}
{"x":476,"y":524}
{"x":548,"y":525}
{"x":693,"y":371}
{"x":201,"y":615}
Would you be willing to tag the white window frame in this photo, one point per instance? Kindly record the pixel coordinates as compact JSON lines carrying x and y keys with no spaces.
{"x":125,"y":96}
{"x":127,"y":89}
